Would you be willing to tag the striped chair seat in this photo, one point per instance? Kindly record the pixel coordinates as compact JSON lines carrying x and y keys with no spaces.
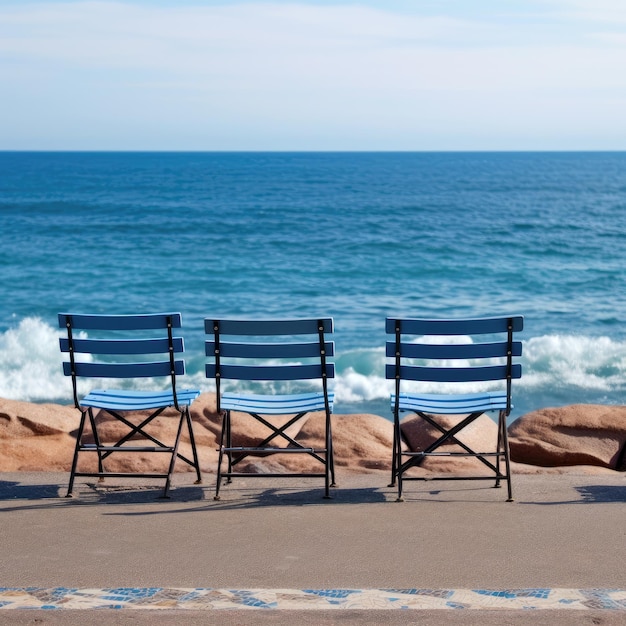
{"x":127,"y":400}
{"x":441,"y":404}
{"x":276,"y":404}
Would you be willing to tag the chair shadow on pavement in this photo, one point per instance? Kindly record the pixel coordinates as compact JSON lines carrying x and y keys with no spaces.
{"x":12,"y":490}
{"x":591,"y":494}
{"x":18,"y":496}
{"x":244,"y":499}
{"x":15,"y":495}
{"x":234,"y":498}
{"x":602,"y":493}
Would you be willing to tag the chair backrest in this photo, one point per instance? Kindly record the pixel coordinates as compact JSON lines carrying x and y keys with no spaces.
{"x":269,"y":350}
{"x":119,"y":346}
{"x":417,"y":357}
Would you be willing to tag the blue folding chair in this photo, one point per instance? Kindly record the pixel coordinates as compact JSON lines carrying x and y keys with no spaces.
{"x":122,"y":347}
{"x":283,"y":352}
{"x":417,"y":359}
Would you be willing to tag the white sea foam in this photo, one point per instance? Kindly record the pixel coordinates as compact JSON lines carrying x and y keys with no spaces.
{"x":595,"y":363}
{"x":30,"y":368}
{"x":550,"y":365}
{"x":30,"y":363}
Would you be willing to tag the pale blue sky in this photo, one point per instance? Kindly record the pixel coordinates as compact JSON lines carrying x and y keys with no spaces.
{"x":325,"y":75}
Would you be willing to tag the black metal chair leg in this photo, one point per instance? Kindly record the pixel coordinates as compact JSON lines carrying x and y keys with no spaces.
{"x":96,"y":439}
{"x":498,"y":450}
{"x":328,"y":461}
{"x":79,"y":437}
{"x":507,"y":462}
{"x":192,"y":442}
{"x":395,"y":455}
{"x":399,"y":478}
{"x":170,"y":471}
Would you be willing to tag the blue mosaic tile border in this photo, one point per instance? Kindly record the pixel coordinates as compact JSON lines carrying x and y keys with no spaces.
{"x":309,"y":599}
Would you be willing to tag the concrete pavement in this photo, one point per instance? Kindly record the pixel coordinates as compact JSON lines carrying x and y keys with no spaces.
{"x":564,"y":531}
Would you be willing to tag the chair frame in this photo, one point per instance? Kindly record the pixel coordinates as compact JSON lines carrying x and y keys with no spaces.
{"x":115,"y":402}
{"x":471,"y":405}
{"x":297,"y":405}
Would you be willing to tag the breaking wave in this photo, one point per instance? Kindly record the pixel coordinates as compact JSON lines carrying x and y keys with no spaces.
{"x":555,"y":367}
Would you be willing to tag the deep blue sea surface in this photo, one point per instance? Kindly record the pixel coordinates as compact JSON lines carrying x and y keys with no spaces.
{"x":359,"y":236}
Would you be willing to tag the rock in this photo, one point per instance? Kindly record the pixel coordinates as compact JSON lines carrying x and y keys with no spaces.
{"x":580,"y":434}
{"x":35,"y":437}
{"x":361,"y":442}
{"x":23,"y":419}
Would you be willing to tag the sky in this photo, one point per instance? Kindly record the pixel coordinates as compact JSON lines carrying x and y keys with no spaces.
{"x":303,"y":75}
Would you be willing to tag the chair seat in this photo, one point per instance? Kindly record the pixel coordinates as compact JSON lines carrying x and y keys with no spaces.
{"x":437,"y":404}
{"x":276,"y":405}
{"x":126,"y":400}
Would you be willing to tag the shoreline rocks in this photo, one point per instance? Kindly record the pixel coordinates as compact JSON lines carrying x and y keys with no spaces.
{"x":590,"y":438}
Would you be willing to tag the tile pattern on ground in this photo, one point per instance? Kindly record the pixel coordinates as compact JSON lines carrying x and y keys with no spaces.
{"x":314,"y":599}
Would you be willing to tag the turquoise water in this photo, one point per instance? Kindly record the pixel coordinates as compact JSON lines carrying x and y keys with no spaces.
{"x":358,"y":236}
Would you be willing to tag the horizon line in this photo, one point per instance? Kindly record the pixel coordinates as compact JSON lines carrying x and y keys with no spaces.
{"x":308,"y":151}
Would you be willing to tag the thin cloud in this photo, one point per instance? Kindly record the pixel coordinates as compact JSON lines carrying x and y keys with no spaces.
{"x":591,"y":11}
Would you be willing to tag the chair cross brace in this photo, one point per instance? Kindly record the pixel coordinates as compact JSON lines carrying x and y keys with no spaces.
{"x":276,"y":431}
{"x":418,"y":457}
{"x":103,"y":451}
{"x":138,"y":429}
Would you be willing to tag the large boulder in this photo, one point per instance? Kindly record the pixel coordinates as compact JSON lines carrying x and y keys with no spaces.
{"x":362,"y":442}
{"x":580,"y":434}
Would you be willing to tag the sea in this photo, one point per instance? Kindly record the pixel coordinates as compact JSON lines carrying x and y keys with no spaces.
{"x":356,"y":236}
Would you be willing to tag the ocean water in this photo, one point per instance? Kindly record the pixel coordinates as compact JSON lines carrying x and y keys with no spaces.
{"x":358,"y":236}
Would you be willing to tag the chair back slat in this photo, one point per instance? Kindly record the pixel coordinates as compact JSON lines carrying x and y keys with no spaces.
{"x":479,"y":326}
{"x":124,"y":370}
{"x":454,"y":374}
{"x":454,"y":351}
{"x":269,"y":351}
{"x":123,"y":346}
{"x":120,"y":322}
{"x":269,"y":373}
{"x":270,"y":327}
